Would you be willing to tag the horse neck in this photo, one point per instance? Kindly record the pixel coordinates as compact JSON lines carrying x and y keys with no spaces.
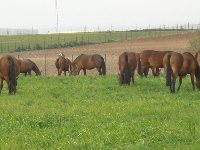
{"x":35,"y":69}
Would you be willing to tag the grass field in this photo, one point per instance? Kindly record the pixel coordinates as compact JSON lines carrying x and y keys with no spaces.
{"x":52,"y":41}
{"x":96,"y":113}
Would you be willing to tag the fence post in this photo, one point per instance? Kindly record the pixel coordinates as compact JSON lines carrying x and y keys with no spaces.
{"x":44,"y":44}
{"x":45,"y":63}
{"x":8,"y":47}
{"x":1,"y":47}
{"x":105,"y":59}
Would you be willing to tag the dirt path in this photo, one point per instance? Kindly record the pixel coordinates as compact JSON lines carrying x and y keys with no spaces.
{"x":111,"y":50}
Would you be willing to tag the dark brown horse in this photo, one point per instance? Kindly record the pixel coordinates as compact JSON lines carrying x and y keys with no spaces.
{"x":62,"y":64}
{"x":150,"y":59}
{"x":197,"y":57}
{"x":27,"y":65}
{"x":9,"y":71}
{"x":179,"y":65}
{"x":127,"y":66}
{"x":88,"y":62}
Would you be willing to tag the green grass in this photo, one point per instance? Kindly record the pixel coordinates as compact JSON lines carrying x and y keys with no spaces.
{"x":96,"y":113}
{"x":50,"y":41}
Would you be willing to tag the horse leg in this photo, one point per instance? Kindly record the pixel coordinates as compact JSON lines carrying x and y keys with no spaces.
{"x":84,"y":71}
{"x":59,"y":72}
{"x":192,"y":80}
{"x":25,"y":74}
{"x":65,"y":73}
{"x":180,"y":82}
{"x":146,"y":71}
{"x":173,"y":83}
{"x":29,"y":73}
{"x":1,"y":86}
{"x":99,"y":70}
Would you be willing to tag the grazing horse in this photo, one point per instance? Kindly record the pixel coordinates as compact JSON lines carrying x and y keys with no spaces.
{"x":62,"y":64}
{"x":9,"y":71}
{"x":179,"y":65}
{"x":197,"y":57}
{"x":26,"y":66}
{"x":127,"y":66}
{"x":88,"y":62}
{"x":151,"y":59}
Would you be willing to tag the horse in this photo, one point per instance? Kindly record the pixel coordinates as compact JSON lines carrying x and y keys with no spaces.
{"x":127,"y":66}
{"x":88,"y":62}
{"x":27,"y":65}
{"x":197,"y":58}
{"x":151,"y":59}
{"x":62,"y":64}
{"x":9,"y":71}
{"x":179,"y":65}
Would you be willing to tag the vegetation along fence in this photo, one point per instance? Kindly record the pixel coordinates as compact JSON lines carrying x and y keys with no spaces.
{"x":11,"y":43}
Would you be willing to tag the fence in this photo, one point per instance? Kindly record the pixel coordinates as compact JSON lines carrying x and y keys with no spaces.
{"x":61,"y":40}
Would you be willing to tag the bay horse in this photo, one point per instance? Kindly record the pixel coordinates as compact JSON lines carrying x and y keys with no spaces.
{"x":179,"y":65}
{"x":127,"y":66}
{"x":9,"y":71}
{"x":62,"y":64}
{"x":27,"y":65}
{"x":197,"y":57}
{"x":88,"y":62}
{"x":150,"y":59}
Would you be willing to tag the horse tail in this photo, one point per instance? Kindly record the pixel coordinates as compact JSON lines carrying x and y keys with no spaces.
{"x":168,"y":71}
{"x":11,"y":70}
{"x":139,"y":67}
{"x":127,"y":70}
{"x":103,"y":66}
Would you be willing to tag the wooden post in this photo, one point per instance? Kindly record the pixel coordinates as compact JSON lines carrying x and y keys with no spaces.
{"x":1,"y":46}
{"x":45,"y":63}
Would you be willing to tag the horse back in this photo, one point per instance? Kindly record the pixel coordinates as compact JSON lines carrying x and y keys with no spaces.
{"x":4,"y":65}
{"x":156,"y":58}
{"x":189,"y":63}
{"x":132,"y":61}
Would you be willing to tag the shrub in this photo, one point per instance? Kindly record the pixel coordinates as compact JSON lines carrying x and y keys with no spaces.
{"x":195,"y":43}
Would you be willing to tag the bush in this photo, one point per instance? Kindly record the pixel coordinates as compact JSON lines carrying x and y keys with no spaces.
{"x":195,"y":43}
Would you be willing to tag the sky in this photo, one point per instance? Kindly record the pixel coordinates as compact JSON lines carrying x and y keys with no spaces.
{"x":97,"y":14}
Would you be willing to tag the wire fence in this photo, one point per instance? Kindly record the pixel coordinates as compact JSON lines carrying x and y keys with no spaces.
{"x":19,"y":43}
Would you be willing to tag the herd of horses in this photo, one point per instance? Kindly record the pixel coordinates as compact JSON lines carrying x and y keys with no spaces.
{"x":175,"y":65}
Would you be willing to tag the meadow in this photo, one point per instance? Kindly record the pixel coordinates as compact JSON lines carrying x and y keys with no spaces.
{"x":94,"y":112}
{"x":10,"y":43}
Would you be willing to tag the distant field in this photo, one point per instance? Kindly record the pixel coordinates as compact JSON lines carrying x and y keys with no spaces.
{"x":53,"y":41}
{"x":96,"y":113}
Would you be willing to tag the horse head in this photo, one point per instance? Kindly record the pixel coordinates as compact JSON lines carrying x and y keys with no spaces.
{"x":74,"y":69}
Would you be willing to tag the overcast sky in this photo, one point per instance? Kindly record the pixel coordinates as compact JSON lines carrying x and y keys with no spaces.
{"x":75,"y":14}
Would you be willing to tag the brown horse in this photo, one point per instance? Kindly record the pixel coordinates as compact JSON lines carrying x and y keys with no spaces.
{"x":177,"y":64}
{"x":127,"y":66}
{"x":197,"y":57}
{"x":9,"y":71}
{"x":62,"y":64}
{"x":26,"y":66}
{"x":151,"y":59}
{"x":88,"y":62}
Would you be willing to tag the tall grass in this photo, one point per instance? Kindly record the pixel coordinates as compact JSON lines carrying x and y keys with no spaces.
{"x":96,"y":113}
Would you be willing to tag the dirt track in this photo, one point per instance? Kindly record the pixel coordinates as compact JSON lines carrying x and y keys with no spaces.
{"x":111,"y":50}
